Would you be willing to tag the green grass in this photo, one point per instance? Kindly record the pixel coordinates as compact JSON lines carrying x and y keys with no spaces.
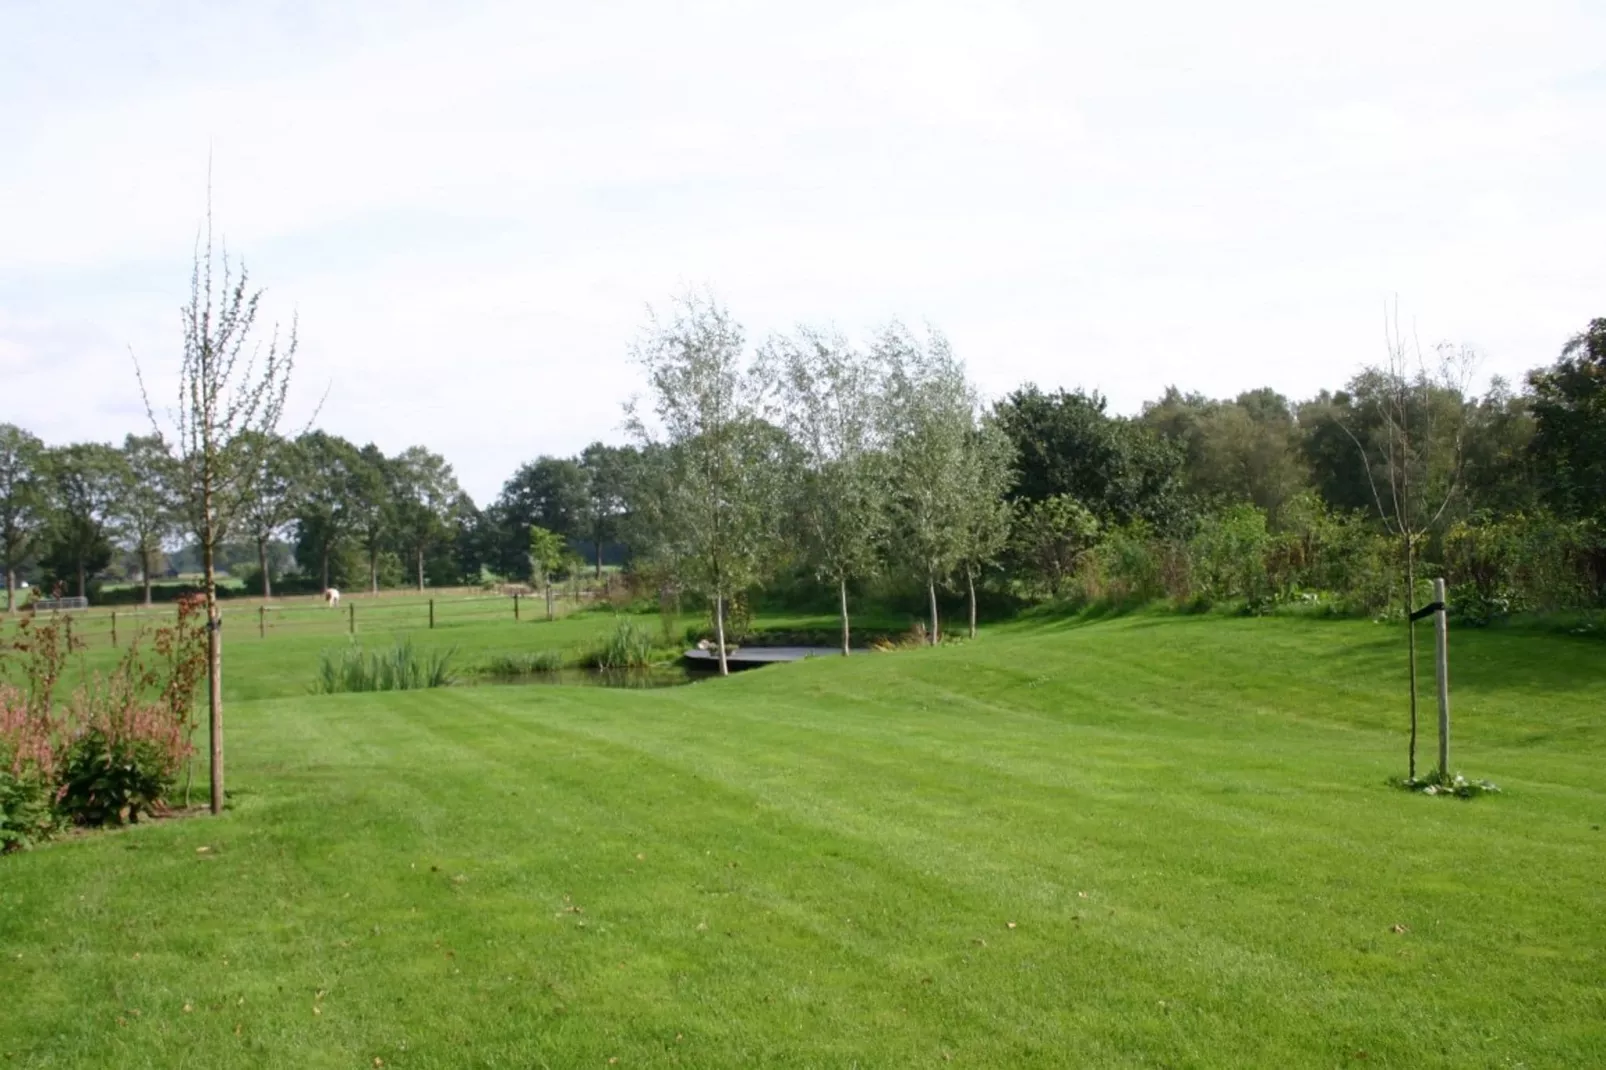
{"x":1184,"y":819}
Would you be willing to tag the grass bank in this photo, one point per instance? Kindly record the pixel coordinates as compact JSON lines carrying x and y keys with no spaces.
{"x":1144,"y":841}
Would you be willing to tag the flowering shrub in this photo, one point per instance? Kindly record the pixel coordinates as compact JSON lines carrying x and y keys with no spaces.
{"x":112,"y":751}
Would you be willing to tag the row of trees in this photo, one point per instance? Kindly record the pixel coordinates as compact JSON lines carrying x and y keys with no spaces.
{"x":808,"y":453}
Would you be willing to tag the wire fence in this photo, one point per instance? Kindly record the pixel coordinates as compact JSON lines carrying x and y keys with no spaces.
{"x":354,"y":614}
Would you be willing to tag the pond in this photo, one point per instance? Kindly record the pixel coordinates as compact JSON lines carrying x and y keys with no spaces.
{"x":656,"y":676}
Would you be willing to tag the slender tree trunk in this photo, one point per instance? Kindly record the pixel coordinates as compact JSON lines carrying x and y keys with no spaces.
{"x":599,"y":559}
{"x":262,"y":559}
{"x":83,"y":586}
{"x":931,"y":591}
{"x":373,"y":571}
{"x":970,"y":587}
{"x":1410,"y":632}
{"x":214,"y":654}
{"x":326,"y":567}
{"x":420,"y":568}
{"x":842,"y":589}
{"x":11,"y":589}
{"x":719,"y":633}
{"x":549,"y":610}
{"x":145,"y":570}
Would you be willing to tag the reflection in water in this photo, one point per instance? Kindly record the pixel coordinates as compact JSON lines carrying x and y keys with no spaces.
{"x":657,"y":676}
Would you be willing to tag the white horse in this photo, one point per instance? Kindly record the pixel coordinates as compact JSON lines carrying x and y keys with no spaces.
{"x":331,"y":598}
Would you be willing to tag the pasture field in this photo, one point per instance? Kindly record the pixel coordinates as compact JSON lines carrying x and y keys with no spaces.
{"x":1148,"y":841}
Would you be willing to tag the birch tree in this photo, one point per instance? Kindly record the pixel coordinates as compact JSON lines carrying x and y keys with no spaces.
{"x":829,"y":403}
{"x":929,"y":423}
{"x":717,"y":491}
{"x":985,"y":511}
{"x":231,"y":395}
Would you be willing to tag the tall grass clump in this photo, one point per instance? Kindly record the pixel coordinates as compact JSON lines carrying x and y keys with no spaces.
{"x":525,"y":664}
{"x":401,"y":668}
{"x":628,"y":647}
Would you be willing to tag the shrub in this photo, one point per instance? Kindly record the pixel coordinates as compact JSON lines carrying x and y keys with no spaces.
{"x":401,"y":668}
{"x":629,"y":647}
{"x":525,"y":664}
{"x":27,"y":761}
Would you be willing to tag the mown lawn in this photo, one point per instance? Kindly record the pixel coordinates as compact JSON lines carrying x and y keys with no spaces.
{"x":1152,"y":841}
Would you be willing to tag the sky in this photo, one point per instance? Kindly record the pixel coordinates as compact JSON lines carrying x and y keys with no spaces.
{"x":469,"y":208}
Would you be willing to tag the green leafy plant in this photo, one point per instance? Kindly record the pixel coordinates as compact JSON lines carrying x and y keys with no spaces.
{"x":1456,"y":786}
{"x":630,"y":646}
{"x":525,"y":664}
{"x":26,"y":815}
{"x":401,"y":668}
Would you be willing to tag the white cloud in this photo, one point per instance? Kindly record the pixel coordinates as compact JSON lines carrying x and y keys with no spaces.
{"x":470,"y":210}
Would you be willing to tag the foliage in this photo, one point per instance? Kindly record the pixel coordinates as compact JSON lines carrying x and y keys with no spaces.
{"x":1456,"y":786}
{"x":628,"y":646}
{"x":930,"y":418}
{"x":830,"y":404}
{"x":1052,"y":538}
{"x":88,"y":481}
{"x":525,"y":663}
{"x":401,"y":668}
{"x":1067,"y":443}
{"x":123,"y":758}
{"x":717,"y":466}
{"x":24,"y":501}
{"x":1569,"y":407}
{"x":1227,"y":555}
{"x":112,"y":752}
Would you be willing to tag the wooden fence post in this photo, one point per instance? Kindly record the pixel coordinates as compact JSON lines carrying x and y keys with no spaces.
{"x":262,"y":622}
{"x":353,"y":608}
{"x":432,"y":614}
{"x":114,"y":627}
{"x":515,"y":605}
{"x":1441,"y":629}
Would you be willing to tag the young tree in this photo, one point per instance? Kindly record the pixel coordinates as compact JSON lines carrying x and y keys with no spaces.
{"x":548,"y":552}
{"x":830,"y":400}
{"x":88,"y":480}
{"x":1413,"y":454}
{"x":985,"y":512}
{"x":425,"y":493}
{"x":146,"y":503}
{"x":24,"y":502}
{"x":231,"y":394}
{"x":718,"y":486}
{"x":929,"y":418}
{"x":276,"y":486}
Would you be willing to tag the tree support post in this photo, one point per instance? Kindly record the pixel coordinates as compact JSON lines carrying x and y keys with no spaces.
{"x":1441,"y":629}
{"x":432,"y":614}
{"x":352,"y":608}
{"x":262,"y":622}
{"x":515,"y":605}
{"x":114,"y":627}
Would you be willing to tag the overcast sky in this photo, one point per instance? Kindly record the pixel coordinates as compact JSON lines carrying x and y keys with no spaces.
{"x":471,"y":205}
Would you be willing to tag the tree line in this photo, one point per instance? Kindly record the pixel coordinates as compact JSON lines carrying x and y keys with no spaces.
{"x":846,"y":465}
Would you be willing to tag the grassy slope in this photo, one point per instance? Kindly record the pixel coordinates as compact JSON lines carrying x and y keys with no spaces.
{"x":816,"y":865}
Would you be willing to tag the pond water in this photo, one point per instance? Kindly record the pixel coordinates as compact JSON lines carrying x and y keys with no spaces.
{"x":657,"y":676}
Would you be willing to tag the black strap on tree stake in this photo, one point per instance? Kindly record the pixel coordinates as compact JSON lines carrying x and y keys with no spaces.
{"x":1427,"y":611}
